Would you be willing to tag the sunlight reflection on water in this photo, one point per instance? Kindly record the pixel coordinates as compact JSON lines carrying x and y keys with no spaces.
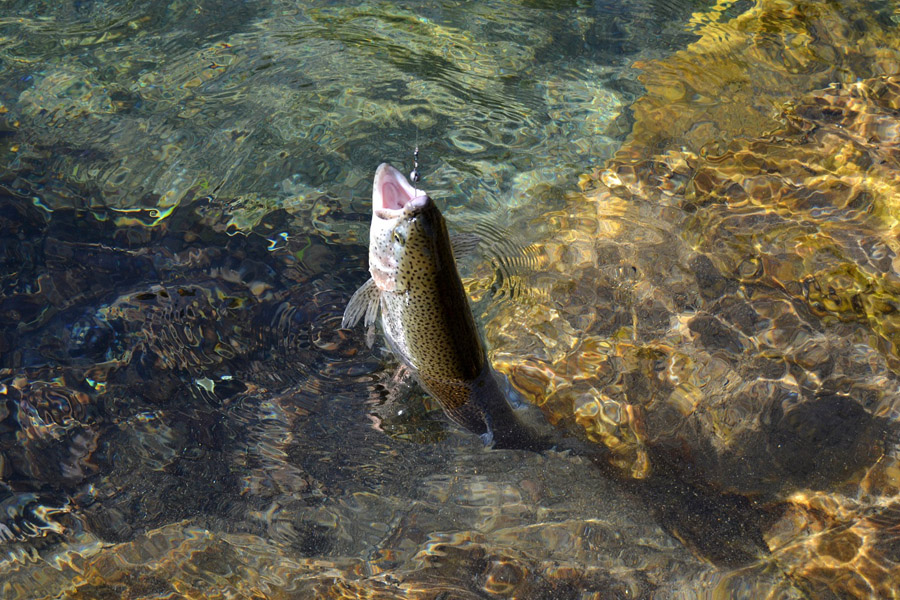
{"x":691,"y":265}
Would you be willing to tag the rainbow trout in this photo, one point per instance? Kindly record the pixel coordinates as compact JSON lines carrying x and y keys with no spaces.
{"x":425,"y":313}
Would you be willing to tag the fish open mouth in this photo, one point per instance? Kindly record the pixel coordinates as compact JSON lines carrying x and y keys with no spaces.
{"x":391,"y":193}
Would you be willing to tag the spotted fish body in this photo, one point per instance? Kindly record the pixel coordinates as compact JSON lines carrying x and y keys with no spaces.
{"x":425,"y":313}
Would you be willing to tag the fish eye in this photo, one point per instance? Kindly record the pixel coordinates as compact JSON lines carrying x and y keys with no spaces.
{"x":399,"y":238}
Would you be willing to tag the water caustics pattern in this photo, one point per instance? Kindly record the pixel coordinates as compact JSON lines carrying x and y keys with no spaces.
{"x":687,"y":214}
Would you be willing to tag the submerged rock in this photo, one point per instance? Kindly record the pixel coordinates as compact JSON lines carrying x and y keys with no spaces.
{"x":715,"y":309}
{"x":733,"y":81}
{"x":756,"y":351}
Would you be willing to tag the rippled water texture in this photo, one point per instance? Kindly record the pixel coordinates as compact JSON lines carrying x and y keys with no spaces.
{"x":689,"y":213}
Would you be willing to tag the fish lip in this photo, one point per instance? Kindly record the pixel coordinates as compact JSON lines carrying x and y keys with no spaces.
{"x":411,"y":209}
{"x":393,"y":196}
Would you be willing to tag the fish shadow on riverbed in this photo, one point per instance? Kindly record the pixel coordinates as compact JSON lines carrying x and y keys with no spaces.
{"x":814,"y":444}
{"x":724,"y":528}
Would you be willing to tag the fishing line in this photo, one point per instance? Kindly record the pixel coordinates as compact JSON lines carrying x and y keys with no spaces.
{"x":414,"y":175}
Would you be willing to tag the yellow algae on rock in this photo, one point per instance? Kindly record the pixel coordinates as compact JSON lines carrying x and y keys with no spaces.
{"x":684,"y":299}
{"x":731,"y":316}
{"x":731,"y":313}
{"x":734,"y":79}
{"x":833,"y":545}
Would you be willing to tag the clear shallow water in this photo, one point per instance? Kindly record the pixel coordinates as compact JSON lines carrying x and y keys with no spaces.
{"x":184,"y":213}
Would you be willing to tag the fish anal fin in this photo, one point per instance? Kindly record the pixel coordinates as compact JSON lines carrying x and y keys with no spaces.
{"x":455,"y":398}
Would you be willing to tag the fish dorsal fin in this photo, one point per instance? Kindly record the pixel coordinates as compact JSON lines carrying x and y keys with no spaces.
{"x":464,"y":244}
{"x":513,"y":260}
{"x":364,"y":304}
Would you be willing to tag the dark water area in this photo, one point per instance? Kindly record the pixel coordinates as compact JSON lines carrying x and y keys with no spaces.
{"x":689,"y":212}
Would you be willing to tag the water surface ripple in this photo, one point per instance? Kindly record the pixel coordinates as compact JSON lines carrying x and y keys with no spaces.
{"x":687,"y":216}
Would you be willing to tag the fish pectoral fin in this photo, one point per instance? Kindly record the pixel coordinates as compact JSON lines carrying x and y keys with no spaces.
{"x":364,"y":304}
